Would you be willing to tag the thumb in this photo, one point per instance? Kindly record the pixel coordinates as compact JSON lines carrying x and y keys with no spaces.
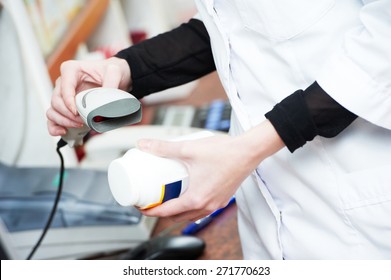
{"x":160,"y":148}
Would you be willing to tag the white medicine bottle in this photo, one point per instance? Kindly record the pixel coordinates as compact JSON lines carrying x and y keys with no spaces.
{"x":144,"y":180}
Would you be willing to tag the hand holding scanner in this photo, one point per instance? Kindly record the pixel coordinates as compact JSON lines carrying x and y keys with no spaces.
{"x":103,"y":109}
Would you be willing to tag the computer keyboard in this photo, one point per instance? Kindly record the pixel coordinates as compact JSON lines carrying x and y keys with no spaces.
{"x":212,"y":116}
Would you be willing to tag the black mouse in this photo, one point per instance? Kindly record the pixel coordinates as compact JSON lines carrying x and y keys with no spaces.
{"x":174,"y":247}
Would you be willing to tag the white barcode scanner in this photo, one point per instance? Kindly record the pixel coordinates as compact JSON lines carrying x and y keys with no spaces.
{"x":103,"y":109}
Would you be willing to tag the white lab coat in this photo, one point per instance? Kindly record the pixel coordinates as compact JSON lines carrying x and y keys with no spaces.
{"x":330,"y":199}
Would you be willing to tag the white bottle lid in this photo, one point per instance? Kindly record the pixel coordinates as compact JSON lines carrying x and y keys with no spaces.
{"x":121,"y":184}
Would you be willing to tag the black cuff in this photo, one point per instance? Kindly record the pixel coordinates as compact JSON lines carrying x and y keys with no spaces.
{"x":292,"y":121}
{"x":305,"y":114}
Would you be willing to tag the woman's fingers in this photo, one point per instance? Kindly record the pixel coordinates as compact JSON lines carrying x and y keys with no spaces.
{"x":71,"y":77}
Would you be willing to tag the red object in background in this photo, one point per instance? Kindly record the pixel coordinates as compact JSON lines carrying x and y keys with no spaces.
{"x":138,"y":36}
{"x":80,"y":152}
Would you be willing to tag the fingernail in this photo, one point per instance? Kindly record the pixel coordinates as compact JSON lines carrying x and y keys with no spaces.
{"x":77,"y":125}
{"x":75,"y":112}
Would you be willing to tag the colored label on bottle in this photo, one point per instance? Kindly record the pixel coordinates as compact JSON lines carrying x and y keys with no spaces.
{"x":169,"y":191}
{"x":172,"y":190}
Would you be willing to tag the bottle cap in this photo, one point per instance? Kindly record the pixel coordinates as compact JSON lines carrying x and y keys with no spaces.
{"x":121,"y":184}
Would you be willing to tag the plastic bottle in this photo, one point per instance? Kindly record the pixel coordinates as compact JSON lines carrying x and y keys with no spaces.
{"x":144,"y":180}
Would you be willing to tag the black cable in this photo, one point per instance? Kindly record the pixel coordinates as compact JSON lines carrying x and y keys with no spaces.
{"x":60,"y":144}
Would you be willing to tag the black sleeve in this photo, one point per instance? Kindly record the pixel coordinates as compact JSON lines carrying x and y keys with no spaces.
{"x":305,"y":114}
{"x":170,"y":59}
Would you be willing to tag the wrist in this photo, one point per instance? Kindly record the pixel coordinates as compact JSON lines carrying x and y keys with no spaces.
{"x":260,"y":142}
{"x":126,"y":77}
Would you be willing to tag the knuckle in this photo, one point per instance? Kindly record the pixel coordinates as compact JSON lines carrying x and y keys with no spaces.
{"x":51,"y":129}
{"x":66,"y":65}
{"x":48,"y":113}
{"x":185,"y":150}
{"x":211,"y":207}
{"x":197,"y":203}
{"x":54,"y":100}
{"x":55,"y":103}
{"x":58,"y":82}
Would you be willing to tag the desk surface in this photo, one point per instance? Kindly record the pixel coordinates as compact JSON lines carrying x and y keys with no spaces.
{"x":221,"y":236}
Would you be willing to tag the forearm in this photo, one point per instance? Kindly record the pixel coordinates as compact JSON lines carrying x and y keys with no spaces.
{"x":258,"y":143}
{"x":170,"y":59}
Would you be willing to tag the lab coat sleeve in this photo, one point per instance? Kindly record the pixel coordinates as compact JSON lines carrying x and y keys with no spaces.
{"x":358,"y":75}
{"x":170,"y":59}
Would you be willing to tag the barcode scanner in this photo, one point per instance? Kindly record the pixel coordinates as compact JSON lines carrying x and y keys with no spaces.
{"x":103,"y":109}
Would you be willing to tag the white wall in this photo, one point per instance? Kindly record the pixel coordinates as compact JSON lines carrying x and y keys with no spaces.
{"x":157,"y":16}
{"x":25,"y":90}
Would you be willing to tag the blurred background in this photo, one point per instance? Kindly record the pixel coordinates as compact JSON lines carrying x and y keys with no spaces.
{"x":36,"y":36}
